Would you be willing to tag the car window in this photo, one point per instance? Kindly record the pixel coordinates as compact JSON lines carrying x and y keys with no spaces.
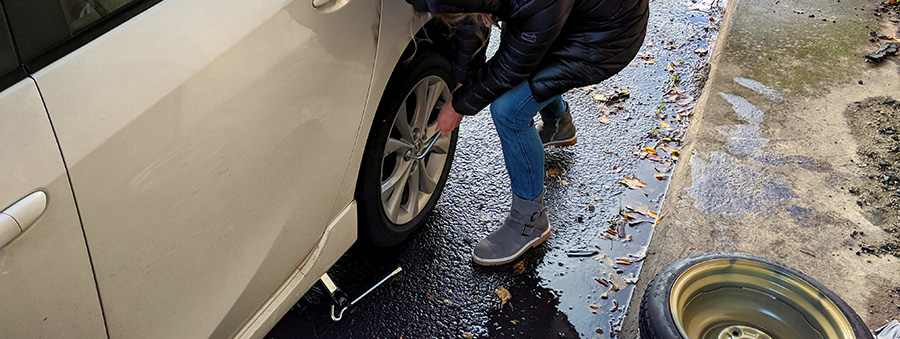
{"x":81,"y":13}
{"x":45,"y":30}
{"x":8,"y":60}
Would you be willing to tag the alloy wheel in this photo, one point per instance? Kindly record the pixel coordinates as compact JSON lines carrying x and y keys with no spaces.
{"x":408,"y":184}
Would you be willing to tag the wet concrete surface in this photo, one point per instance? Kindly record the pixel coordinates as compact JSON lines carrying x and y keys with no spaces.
{"x":442,"y":294}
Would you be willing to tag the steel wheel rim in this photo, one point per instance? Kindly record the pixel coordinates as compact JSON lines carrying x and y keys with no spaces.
{"x":739,"y":299}
{"x":408,"y":184}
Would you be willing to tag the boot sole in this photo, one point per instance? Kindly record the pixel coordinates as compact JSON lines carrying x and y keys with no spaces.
{"x":500,"y":261}
{"x":562,"y":143}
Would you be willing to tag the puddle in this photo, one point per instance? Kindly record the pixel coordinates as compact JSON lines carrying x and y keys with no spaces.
{"x":726,"y":185}
{"x":756,"y":86}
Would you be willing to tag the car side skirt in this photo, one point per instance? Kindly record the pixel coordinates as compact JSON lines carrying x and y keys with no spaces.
{"x":337,"y":239}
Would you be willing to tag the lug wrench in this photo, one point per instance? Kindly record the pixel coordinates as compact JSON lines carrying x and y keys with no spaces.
{"x":342,"y":301}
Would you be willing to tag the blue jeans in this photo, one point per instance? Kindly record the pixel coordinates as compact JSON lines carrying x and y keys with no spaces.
{"x":513,"y":114}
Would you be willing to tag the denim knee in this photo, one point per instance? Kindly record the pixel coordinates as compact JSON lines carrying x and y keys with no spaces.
{"x":505,"y":113}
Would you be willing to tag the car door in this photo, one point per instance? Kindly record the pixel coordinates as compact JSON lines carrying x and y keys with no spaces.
{"x":206,"y":141}
{"x":46,"y":283}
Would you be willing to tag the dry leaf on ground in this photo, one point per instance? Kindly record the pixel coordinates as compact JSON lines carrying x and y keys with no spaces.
{"x":555,"y":172}
{"x":670,"y":67}
{"x":633,"y":182}
{"x":679,"y":98}
{"x":656,"y":157}
{"x":675,"y":154}
{"x":504,"y":295}
{"x":519,"y":267}
{"x":661,"y":216}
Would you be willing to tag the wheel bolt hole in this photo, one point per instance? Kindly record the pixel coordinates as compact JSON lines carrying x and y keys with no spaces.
{"x":736,"y":333}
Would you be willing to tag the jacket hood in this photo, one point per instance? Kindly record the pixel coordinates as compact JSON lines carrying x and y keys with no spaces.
{"x":455,"y":6}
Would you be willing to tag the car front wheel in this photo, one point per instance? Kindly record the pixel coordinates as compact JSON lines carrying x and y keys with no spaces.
{"x":396,"y":192}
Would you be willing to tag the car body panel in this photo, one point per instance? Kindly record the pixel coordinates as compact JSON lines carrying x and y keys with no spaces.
{"x":202,"y":182}
{"x":46,"y":282}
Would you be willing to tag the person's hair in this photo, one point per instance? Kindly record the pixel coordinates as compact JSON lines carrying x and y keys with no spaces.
{"x":482,"y":20}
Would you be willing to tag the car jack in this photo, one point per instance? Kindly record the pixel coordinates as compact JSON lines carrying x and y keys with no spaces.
{"x":339,"y":299}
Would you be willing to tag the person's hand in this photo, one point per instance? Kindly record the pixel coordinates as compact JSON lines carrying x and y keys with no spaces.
{"x":448,"y":120}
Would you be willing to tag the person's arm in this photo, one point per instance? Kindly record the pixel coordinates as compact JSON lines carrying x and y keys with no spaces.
{"x":531,"y":30}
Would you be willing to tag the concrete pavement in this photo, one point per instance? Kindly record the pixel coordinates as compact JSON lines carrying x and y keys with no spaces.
{"x":769,"y":160}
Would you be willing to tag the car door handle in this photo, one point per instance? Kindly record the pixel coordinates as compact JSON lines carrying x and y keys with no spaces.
{"x":17,"y":218}
{"x":320,"y":3}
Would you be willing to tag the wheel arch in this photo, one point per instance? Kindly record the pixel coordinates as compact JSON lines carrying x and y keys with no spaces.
{"x":396,"y":46}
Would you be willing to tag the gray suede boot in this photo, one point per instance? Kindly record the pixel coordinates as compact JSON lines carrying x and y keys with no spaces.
{"x":557,"y":132}
{"x":525,"y":227}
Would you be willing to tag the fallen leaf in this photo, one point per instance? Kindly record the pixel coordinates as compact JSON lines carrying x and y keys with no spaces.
{"x":468,"y":335}
{"x":519,"y":267}
{"x":670,"y":67}
{"x":661,"y":216}
{"x":650,"y":62}
{"x":656,"y":158}
{"x":650,"y":150}
{"x":679,"y":98}
{"x":613,"y":232}
{"x":430,"y":297}
{"x":600,"y":97}
{"x":555,"y":172}
{"x":448,"y":302}
{"x":631,"y":279}
{"x":632,"y":182}
{"x":701,"y":51}
{"x":662,"y":169}
{"x":605,"y":120}
{"x":591,"y":207}
{"x":622,"y":261}
{"x":659,"y":177}
{"x":599,"y":330}
{"x":675,"y":154}
{"x":598,"y":199}
{"x":602,"y":281}
{"x":504,"y":295}
{"x":614,"y":287}
{"x":651,"y":214}
{"x":664,"y":124}
{"x":514,"y":322}
{"x":615,"y":306}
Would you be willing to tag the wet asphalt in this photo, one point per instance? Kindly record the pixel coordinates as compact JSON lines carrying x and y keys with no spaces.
{"x":442,"y":294}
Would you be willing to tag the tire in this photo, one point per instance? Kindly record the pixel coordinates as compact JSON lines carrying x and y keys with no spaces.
{"x":384,"y":221}
{"x":721,"y":295}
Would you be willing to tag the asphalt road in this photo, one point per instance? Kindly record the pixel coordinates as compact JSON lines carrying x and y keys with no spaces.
{"x":442,"y":294}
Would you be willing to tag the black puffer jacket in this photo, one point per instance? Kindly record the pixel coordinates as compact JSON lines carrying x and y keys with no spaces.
{"x":555,"y":45}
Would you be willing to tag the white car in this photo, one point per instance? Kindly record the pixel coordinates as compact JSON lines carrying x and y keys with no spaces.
{"x":189,"y":168}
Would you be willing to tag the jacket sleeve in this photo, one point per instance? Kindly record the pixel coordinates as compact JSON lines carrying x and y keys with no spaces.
{"x":531,"y":29}
{"x":468,"y":49}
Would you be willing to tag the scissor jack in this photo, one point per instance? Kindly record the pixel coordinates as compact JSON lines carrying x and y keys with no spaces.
{"x":339,"y":299}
